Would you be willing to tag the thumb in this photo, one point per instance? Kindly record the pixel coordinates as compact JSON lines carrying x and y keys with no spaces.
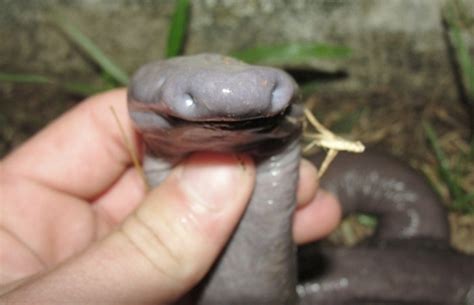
{"x":181,"y":227}
{"x":166,"y":246}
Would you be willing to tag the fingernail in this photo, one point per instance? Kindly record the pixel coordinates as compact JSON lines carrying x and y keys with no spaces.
{"x":213,"y":180}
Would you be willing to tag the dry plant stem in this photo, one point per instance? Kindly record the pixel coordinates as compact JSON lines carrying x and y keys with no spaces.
{"x":131,"y":150}
{"x":330,"y":155}
{"x":326,"y":139}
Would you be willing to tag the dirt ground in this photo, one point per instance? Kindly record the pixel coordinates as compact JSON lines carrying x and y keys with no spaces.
{"x":383,"y":119}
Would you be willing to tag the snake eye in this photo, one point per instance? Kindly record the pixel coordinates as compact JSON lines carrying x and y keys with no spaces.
{"x":189,"y":100}
{"x":281,"y":95}
{"x":185,"y":106}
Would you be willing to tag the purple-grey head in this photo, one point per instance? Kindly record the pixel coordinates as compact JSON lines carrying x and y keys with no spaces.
{"x":210,"y":87}
{"x":184,"y":103}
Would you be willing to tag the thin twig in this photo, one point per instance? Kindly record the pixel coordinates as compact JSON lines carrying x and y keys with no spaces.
{"x":130,"y":148}
{"x":330,"y":155}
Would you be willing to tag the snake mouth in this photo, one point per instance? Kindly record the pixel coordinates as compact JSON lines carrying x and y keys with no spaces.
{"x":168,"y":135}
{"x":260,"y":124}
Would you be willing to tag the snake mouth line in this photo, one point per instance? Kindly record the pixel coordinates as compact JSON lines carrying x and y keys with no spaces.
{"x":258,"y":123}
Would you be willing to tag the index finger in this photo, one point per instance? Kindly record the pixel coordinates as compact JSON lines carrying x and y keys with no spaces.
{"x":82,"y":153}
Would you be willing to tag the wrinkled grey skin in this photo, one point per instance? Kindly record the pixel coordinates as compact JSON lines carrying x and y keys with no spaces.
{"x":407,"y":261}
{"x":211,"y":102}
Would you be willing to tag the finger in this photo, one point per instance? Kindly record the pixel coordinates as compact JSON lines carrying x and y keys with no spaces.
{"x":121,"y":198}
{"x":317,"y":219}
{"x":50,"y":224}
{"x":83,"y":152}
{"x":164,"y":248}
{"x":308,"y":183}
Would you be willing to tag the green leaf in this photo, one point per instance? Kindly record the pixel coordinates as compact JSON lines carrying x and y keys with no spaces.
{"x":25,"y":78}
{"x":367,"y":220}
{"x":461,"y":52}
{"x":465,"y":204}
{"x":93,"y":51}
{"x":292,"y":53}
{"x":443,"y":165}
{"x":177,"y":30}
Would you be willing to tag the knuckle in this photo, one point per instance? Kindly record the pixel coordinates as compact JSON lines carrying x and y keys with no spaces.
{"x":154,"y":246}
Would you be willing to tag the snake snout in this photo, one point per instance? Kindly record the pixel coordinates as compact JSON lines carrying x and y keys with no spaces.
{"x":283,"y":92}
{"x":256,"y":92}
{"x":211,"y":87}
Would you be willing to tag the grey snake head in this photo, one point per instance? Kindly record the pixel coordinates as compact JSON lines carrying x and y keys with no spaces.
{"x":186,"y":102}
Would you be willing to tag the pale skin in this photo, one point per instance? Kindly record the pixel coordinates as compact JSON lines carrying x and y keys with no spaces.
{"x":78,"y":227}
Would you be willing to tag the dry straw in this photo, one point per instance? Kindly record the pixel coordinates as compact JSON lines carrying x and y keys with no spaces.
{"x":324,"y":138}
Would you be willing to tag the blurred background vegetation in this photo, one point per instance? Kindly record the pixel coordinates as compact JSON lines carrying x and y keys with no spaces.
{"x":410,"y":107}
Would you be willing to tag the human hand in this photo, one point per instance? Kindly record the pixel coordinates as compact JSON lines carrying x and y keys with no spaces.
{"x":77,"y":226}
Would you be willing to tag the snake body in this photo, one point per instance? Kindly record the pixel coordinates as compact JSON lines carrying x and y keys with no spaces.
{"x":212,"y":102}
{"x":408,"y":260}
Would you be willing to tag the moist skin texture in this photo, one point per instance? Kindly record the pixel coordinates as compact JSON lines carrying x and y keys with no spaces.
{"x":407,"y":261}
{"x":212,"y":102}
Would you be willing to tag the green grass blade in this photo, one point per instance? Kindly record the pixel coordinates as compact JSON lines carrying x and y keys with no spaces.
{"x":367,"y":220}
{"x":25,"y":78}
{"x":81,"y":89}
{"x":70,"y":87}
{"x":177,"y":30}
{"x":461,"y":51}
{"x":291,"y":53}
{"x":454,"y":188}
{"x":93,"y":51}
{"x":466,"y":203}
